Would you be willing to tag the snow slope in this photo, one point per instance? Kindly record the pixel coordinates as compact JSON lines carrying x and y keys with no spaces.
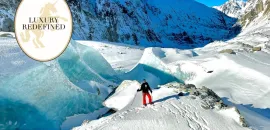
{"x":169,"y":112}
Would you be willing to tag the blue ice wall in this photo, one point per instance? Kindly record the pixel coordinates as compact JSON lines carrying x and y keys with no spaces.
{"x":35,"y":95}
{"x":82,"y":63}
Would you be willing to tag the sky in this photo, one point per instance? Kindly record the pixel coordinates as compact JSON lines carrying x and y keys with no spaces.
{"x":211,"y":3}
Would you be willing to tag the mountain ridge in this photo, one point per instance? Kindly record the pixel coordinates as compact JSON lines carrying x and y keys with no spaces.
{"x":140,"y":22}
{"x":232,"y":8}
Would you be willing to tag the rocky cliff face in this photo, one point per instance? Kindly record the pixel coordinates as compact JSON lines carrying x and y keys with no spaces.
{"x":233,"y":8}
{"x":175,"y":23}
{"x":250,"y":13}
{"x":256,"y":11}
{"x":7,"y":12}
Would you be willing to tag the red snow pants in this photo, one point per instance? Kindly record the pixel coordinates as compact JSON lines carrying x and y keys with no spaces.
{"x":144,"y":98}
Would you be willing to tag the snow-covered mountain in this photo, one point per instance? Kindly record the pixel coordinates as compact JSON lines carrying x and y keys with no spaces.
{"x":177,"y":23}
{"x":257,"y":13}
{"x":250,"y":13}
{"x":174,"y":23}
{"x":233,"y":8}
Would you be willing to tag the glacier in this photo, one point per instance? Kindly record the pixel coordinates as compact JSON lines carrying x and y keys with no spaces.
{"x":241,"y":79}
{"x":35,"y":95}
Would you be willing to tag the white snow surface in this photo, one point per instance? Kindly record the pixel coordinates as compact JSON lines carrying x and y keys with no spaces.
{"x":168,"y":113}
{"x":77,"y":120}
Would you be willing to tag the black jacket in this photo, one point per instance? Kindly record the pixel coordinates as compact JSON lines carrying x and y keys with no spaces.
{"x":145,"y":88}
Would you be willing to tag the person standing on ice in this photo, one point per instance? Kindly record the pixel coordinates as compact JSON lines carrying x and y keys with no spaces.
{"x":145,"y":88}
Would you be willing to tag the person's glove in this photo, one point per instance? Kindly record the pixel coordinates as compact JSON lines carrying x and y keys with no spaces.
{"x":138,"y":90}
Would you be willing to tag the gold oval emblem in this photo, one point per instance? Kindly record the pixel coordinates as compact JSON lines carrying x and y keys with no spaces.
{"x":43,"y":28}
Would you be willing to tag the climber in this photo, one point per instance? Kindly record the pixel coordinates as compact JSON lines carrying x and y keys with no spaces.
{"x":145,"y":88}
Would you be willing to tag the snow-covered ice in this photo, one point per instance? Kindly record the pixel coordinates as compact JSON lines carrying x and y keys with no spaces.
{"x":241,"y":79}
{"x":124,"y":94}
